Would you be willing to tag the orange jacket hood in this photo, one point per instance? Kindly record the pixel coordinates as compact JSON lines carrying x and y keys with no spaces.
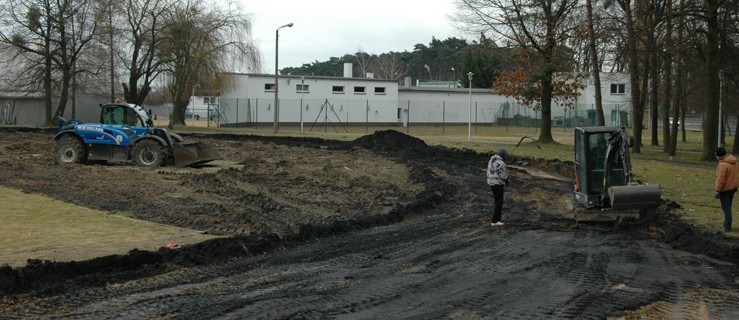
{"x":727,"y":177}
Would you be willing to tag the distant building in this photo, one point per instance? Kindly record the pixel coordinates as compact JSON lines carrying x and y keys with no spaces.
{"x":358,"y":101}
{"x":21,"y":108}
{"x":438,"y":84}
{"x":319,"y":101}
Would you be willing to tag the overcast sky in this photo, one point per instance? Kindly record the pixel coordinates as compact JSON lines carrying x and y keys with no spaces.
{"x":331,"y":28}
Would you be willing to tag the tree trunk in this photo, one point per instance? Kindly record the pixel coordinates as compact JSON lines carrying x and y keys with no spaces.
{"x":47,"y":82}
{"x":64,"y":64}
{"x":545,"y":135}
{"x":180,"y":101}
{"x":636,"y":111}
{"x":666,"y":107}
{"x":179,"y":110}
{"x":178,"y":114}
{"x":653,"y":93}
{"x":47,"y":68}
{"x":600,"y":118}
{"x":63,"y":93}
{"x":710,"y":129}
{"x":667,"y":66}
{"x":112,"y":54}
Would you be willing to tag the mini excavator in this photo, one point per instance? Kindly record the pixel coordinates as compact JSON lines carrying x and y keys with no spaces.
{"x":605,"y":187}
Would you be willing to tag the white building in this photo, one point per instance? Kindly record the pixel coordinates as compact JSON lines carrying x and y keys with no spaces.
{"x":320,"y":101}
{"x":22,"y":108}
{"x":314,"y":100}
{"x":615,"y":97}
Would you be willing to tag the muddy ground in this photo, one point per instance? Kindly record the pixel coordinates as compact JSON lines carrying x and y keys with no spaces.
{"x":380,"y":227}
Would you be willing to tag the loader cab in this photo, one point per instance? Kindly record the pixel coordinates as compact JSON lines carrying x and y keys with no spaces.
{"x":591,"y":156}
{"x":123,"y":115}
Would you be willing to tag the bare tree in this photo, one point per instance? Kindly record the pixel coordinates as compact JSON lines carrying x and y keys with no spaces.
{"x":202,"y":40}
{"x":637,"y":103}
{"x":713,"y":64}
{"x":144,"y":19}
{"x":592,"y":48}
{"x":539,"y":25}
{"x":51,"y":34}
{"x":678,"y":101}
{"x":78,"y":23}
{"x":27,"y":28}
{"x":390,"y":66}
{"x":364,"y":62}
{"x":667,"y":80}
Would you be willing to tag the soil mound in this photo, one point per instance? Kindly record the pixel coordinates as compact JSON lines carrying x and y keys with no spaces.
{"x":393,"y":142}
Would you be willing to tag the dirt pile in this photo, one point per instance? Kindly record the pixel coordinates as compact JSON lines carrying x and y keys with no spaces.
{"x":394,"y":143}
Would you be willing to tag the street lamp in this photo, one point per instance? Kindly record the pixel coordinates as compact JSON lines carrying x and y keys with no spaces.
{"x":469,"y":123}
{"x":192,"y":97}
{"x":277,"y":42}
{"x":302,"y":90}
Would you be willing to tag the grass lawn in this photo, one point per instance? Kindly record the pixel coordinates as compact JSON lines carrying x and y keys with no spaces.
{"x":38,"y":227}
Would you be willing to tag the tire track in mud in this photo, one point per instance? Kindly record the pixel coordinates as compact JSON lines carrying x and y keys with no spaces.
{"x":432,"y":265}
{"x":433,"y":260}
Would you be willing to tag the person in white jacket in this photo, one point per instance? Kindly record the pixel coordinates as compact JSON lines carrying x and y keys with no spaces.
{"x":497,"y":178}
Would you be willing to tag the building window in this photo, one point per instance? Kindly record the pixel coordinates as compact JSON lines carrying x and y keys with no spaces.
{"x":359,"y":90}
{"x":379,"y":90}
{"x":618,"y":88}
{"x":302,"y":88}
{"x":210,"y":100}
{"x":337,"y":89}
{"x":269,"y":87}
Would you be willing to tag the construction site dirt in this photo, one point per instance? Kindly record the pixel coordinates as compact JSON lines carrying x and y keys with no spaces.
{"x":384,"y":226}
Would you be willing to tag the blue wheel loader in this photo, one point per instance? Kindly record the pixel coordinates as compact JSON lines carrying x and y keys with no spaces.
{"x":126,"y":132}
{"x":605,"y":186}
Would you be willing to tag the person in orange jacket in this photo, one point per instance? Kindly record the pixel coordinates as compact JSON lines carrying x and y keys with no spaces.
{"x":727,"y":180}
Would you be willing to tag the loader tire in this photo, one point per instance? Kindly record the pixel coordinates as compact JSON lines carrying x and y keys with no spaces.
{"x":69,"y":149}
{"x":149,"y":153}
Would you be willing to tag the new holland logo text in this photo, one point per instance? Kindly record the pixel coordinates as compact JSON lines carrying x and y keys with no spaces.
{"x":90,"y":128}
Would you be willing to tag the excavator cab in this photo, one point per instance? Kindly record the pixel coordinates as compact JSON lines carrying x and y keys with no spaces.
{"x":603,"y":174}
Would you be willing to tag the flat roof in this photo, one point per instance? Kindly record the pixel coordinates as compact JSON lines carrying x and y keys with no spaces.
{"x":21,"y":95}
{"x":294,"y":76}
{"x":441,"y":90}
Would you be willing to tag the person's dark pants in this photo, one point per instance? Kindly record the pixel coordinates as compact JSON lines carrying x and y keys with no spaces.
{"x":498,"y":198}
{"x":726,"y":198}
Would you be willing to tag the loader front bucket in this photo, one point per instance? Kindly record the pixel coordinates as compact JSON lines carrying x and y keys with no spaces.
{"x":634,"y":197}
{"x":192,"y":154}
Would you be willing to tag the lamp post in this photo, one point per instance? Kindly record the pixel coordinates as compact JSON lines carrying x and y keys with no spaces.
{"x":277,"y":42}
{"x":469,"y":123}
{"x":720,"y":105}
{"x":302,"y":90}
{"x":192,"y":97}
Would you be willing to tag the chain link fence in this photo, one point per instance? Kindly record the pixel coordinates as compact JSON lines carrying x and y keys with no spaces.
{"x":314,"y":114}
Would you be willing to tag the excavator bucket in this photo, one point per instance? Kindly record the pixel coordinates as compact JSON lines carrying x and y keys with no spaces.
{"x":193,"y":154}
{"x":634,"y":196}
